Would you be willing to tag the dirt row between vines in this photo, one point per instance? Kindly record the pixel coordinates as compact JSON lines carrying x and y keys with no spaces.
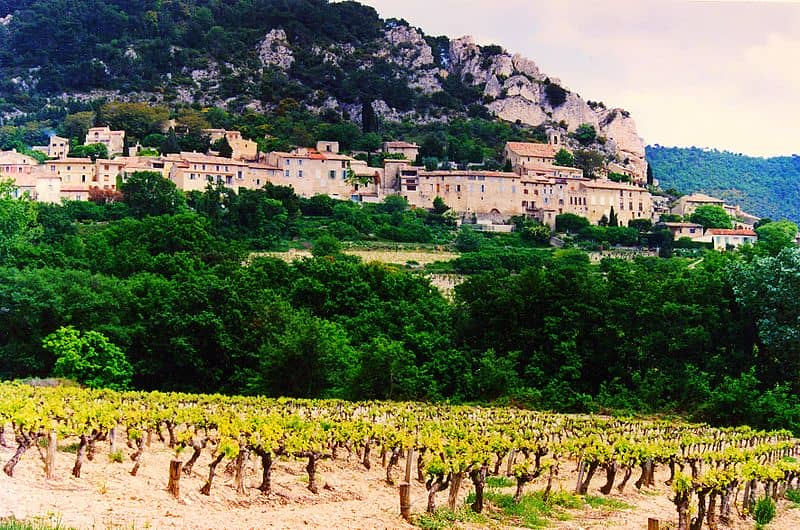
{"x":107,"y":496}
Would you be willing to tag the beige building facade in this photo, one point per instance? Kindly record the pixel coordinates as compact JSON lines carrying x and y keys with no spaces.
{"x":113,"y":140}
{"x":408,"y":150}
{"x":687,"y":204}
{"x":490,"y":195}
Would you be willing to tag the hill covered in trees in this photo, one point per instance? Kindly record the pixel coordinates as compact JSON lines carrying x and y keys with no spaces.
{"x":769,"y":187}
{"x":337,"y":59}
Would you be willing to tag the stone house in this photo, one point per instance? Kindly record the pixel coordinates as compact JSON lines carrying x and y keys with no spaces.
{"x":687,"y":204}
{"x":113,"y":140}
{"x":408,"y":150}
{"x":723,"y":238}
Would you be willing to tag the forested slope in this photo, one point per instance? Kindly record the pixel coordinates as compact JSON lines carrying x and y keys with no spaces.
{"x":768,"y":187}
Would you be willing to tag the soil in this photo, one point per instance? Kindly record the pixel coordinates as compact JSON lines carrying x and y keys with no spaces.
{"x":350,"y":497}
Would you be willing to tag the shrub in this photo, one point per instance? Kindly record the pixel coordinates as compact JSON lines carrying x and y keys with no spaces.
{"x":764,"y":511}
{"x":468,"y":240}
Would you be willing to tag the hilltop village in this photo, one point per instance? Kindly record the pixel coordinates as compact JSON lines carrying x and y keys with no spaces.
{"x":534,"y":184}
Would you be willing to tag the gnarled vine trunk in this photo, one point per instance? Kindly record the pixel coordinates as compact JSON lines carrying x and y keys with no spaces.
{"x":434,"y":486}
{"x":478,"y":478}
{"x":206,"y":489}
{"x":24,"y":442}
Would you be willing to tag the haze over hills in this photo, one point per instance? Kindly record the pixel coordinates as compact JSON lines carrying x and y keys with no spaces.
{"x":768,"y":187}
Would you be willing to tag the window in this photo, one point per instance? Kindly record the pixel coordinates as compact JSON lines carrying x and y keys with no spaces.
{"x":300,"y":162}
{"x":332,"y":173}
{"x":458,"y":188}
{"x":300,"y":173}
{"x":483,"y":188}
{"x":411,"y":188}
{"x":69,"y":168}
{"x":344,"y":164}
{"x":288,"y":161}
{"x":258,"y":182}
{"x":344,"y":172}
{"x":286,"y":173}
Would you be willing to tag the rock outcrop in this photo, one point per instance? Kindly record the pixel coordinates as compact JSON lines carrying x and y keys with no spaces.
{"x":274,"y":50}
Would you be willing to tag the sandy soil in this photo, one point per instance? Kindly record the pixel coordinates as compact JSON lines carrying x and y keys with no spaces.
{"x":107,"y":496}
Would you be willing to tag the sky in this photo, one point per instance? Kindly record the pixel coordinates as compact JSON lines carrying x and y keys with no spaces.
{"x":718,"y":74}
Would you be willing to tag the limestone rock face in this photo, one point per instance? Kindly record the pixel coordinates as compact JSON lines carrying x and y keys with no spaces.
{"x":526,"y":67}
{"x":575,"y":112}
{"x":513,"y":86}
{"x":274,"y":50}
{"x":620,"y":129}
{"x":521,"y":86}
{"x":410,"y":48}
{"x":406,"y":46}
{"x":517,"y":108}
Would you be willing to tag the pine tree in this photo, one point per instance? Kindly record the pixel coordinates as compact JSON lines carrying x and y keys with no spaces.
{"x":613,"y":219}
{"x":171,"y":144}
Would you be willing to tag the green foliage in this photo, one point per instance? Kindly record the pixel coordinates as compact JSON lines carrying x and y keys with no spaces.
{"x":556,"y":95}
{"x":136,"y":119}
{"x":711,"y":216}
{"x":586,"y":134}
{"x":589,"y":161}
{"x":570,"y":222}
{"x":223,"y":147}
{"x":764,"y":511}
{"x":642,"y":225}
{"x":776,"y":236}
{"x":468,"y":240}
{"x":443,"y":519}
{"x":326,"y":246}
{"x":149,"y":193}
{"x":564,"y":158}
{"x":793,"y":496}
{"x":88,"y":358}
{"x":93,"y":151}
{"x":77,"y":125}
{"x":761,"y":186}
{"x":14,"y":524}
{"x":18,"y":220}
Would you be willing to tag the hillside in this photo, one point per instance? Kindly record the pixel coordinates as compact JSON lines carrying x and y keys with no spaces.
{"x":768,"y":187}
{"x":337,"y":59}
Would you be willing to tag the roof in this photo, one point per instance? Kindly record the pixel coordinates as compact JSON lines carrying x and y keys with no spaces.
{"x":702,"y":197}
{"x":71,"y":161}
{"x":531,"y":149}
{"x":729,"y":232}
{"x":400,"y":145}
{"x":15,"y":158}
{"x":464,"y":173}
{"x":611,"y":185}
{"x":681,"y":225}
{"x":207,"y":159}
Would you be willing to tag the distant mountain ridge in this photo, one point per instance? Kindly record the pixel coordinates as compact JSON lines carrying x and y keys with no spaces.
{"x":767,"y":187}
{"x":331,"y":57}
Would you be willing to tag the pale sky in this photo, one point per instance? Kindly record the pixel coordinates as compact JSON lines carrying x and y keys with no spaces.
{"x":723,"y":74}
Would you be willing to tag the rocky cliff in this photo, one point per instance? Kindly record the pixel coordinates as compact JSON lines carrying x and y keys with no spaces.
{"x":512,"y":87}
{"x":333,"y":57}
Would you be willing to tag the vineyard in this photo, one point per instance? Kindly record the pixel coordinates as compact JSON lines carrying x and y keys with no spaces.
{"x":429,"y":453}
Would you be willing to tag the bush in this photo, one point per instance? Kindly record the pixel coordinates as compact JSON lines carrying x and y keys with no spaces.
{"x":468,"y":240}
{"x":569,"y":222}
{"x":764,"y":511}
